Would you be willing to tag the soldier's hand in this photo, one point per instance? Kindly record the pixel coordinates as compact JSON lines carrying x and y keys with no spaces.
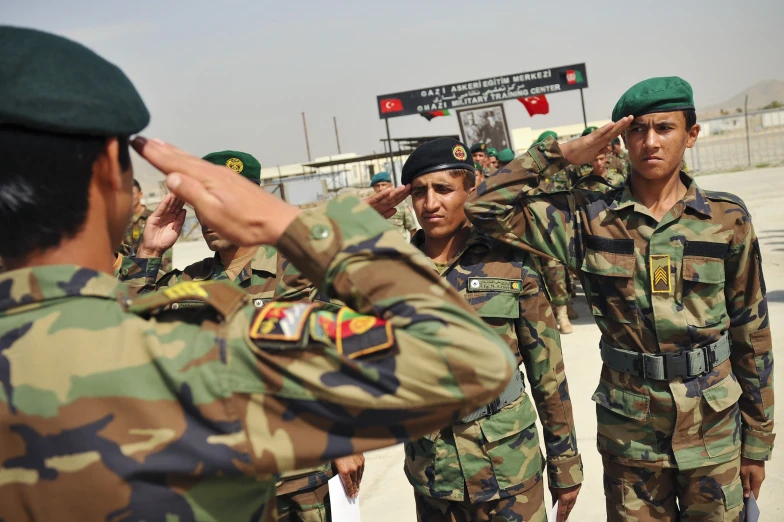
{"x":385,"y":201}
{"x":566,"y":498}
{"x":752,"y":474}
{"x":233,"y":206}
{"x":585,"y":149}
{"x":163,"y":227}
{"x":350,"y":470}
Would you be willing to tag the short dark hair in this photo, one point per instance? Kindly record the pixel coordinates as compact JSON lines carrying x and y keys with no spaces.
{"x":44,"y":186}
{"x":469,"y":177}
{"x":691,"y":118}
{"x":136,"y":184}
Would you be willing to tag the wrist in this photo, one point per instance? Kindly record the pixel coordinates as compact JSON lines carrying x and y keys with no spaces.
{"x":146,"y":252}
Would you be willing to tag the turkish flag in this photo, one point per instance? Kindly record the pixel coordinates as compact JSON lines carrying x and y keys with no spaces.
{"x":536,"y":104}
{"x":391,"y":105}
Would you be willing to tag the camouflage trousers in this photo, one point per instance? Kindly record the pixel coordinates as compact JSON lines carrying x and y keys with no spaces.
{"x":527,"y":506}
{"x":705,"y":494}
{"x":305,"y":506}
{"x":558,"y":280}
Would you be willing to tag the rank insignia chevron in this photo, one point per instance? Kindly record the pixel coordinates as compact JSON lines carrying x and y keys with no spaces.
{"x":660,"y":274}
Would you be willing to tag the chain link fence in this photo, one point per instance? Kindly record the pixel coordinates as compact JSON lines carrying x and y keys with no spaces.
{"x":725,"y":145}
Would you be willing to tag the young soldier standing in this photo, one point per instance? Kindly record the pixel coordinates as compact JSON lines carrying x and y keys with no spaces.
{"x":488,"y":464}
{"x":674,"y":277}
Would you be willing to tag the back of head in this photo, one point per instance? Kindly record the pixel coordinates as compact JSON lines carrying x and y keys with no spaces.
{"x":59,"y":103}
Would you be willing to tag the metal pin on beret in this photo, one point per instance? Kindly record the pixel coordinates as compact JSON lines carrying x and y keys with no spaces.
{"x":478,"y":147}
{"x":666,"y":94}
{"x":435,"y":155}
{"x":546,"y":134}
{"x":53,"y":84}
{"x":381,"y":177}
{"x":240,"y":162}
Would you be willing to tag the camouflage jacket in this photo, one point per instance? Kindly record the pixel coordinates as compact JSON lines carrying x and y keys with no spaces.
{"x":611,"y":180}
{"x":111,"y":411}
{"x":403,"y":220}
{"x":498,"y":456}
{"x":619,"y":163}
{"x":133,"y":235}
{"x":714,"y":286}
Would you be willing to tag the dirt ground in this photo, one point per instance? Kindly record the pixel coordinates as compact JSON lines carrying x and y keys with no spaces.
{"x":386,"y":496}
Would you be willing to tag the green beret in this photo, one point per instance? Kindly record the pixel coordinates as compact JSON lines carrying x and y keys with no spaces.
{"x":655,"y":95}
{"x":380,"y":177}
{"x":505,"y":156}
{"x":240,"y":162}
{"x":53,"y":84}
{"x":478,"y":147}
{"x":492,"y":152}
{"x":588,"y":130}
{"x":546,"y":134}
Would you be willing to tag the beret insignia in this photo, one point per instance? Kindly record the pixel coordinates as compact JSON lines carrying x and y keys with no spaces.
{"x":459,"y":153}
{"x":235,"y":164}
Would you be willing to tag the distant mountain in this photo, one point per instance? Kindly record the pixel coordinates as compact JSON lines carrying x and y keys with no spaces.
{"x":760,"y":94}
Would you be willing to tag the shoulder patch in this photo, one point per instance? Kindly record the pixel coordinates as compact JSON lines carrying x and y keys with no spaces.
{"x":357,"y":335}
{"x":282,"y":323}
{"x":726,"y":196}
{"x":224,"y":297}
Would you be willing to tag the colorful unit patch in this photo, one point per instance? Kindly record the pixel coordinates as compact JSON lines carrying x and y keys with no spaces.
{"x":494,"y":284}
{"x":357,"y":335}
{"x":280,"y":322}
{"x":660,"y":274}
{"x":459,"y":153}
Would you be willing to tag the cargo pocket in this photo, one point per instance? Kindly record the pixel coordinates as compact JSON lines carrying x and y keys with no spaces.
{"x":609,"y":281}
{"x":420,"y":458}
{"x":702,"y":291}
{"x":512,"y":443}
{"x":733,"y":495}
{"x":721,"y":426}
{"x":621,"y":417}
{"x":495,"y":308}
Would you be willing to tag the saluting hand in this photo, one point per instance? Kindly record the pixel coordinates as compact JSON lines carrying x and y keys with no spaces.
{"x":163,"y":227}
{"x":233,"y":206}
{"x":385,"y":201}
{"x":585,"y":149}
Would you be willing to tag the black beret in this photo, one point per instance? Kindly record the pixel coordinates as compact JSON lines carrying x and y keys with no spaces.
{"x":478,"y":147}
{"x":432,"y":156}
{"x":53,"y":84}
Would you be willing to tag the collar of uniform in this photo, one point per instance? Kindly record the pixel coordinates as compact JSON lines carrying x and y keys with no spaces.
{"x":475,"y":238}
{"x":145,"y":213}
{"x":43,"y":283}
{"x":694,"y":198}
{"x":265,"y":260}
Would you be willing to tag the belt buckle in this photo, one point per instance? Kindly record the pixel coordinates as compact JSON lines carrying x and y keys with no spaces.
{"x":710,"y":358}
{"x":676,"y":364}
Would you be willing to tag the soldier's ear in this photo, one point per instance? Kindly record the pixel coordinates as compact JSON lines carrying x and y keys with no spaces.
{"x":693,"y":133}
{"x":106,"y":168}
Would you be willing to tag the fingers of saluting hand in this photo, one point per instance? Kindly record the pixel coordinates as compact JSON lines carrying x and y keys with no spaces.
{"x":169,"y":159}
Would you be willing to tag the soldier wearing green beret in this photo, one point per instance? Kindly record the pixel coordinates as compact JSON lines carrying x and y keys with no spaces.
{"x":505,"y":157}
{"x":403,"y":219}
{"x":488,"y":465}
{"x":618,"y":158}
{"x":673,"y":274}
{"x":113,"y":409}
{"x":479,"y":153}
{"x":492,"y":160}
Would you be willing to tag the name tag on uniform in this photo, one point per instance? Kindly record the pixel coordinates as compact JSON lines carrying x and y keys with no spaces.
{"x":494,"y":284}
{"x":661,"y":280}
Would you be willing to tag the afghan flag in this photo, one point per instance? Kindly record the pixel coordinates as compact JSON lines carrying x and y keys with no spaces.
{"x":573,"y":77}
{"x":434,"y":114}
{"x":535,"y":104}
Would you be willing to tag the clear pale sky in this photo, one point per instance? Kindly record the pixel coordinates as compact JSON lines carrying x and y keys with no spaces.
{"x":237,"y":74}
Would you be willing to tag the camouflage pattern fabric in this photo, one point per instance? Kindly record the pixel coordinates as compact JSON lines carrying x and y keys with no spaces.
{"x":403,"y":220}
{"x":612,"y":179}
{"x":523,"y":507}
{"x":498,"y":456}
{"x":133,"y":238}
{"x":620,"y":163}
{"x":555,"y":278}
{"x":309,"y":505}
{"x":708,"y":282}
{"x":110,"y":411}
{"x":642,"y":494}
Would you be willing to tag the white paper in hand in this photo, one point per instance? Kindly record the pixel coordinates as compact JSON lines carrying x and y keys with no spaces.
{"x":552,"y":513}
{"x":343,"y":509}
{"x":752,"y":509}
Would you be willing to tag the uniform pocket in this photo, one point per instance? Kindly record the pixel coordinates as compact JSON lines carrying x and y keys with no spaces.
{"x":623,"y":422}
{"x":487,"y":305}
{"x":512,"y":443}
{"x":733,"y":494}
{"x":721,"y":426}
{"x":702,"y":290}
{"x":609,"y":279}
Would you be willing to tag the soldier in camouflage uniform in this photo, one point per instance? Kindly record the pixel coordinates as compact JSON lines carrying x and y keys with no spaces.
{"x":492,"y":159}
{"x":135,"y":231}
{"x":488,"y":465}
{"x":673,"y":275}
{"x":618,"y":158}
{"x":505,"y":156}
{"x":111,"y":410}
{"x":402,"y":220}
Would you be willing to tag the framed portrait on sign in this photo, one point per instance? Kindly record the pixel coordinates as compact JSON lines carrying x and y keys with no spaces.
{"x":485,"y":125}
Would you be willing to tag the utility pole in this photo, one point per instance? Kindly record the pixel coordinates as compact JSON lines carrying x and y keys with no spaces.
{"x":307,"y":142}
{"x":337,"y":136}
{"x":746,"y":117}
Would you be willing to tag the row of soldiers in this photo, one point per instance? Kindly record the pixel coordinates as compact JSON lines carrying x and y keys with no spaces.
{"x":191,"y":400}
